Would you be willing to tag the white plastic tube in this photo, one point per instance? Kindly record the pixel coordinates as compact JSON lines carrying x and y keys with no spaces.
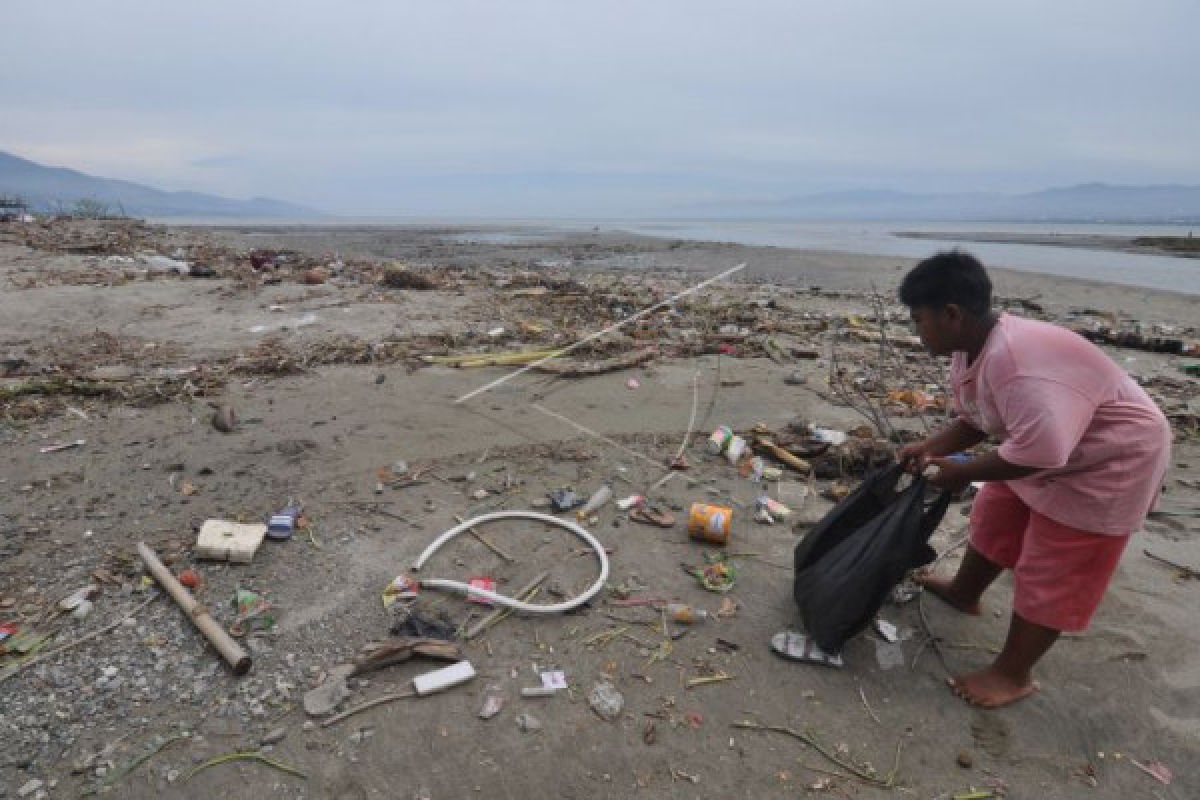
{"x":509,"y":602}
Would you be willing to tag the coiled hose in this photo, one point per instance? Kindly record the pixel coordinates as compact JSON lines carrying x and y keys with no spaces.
{"x":510,"y":602}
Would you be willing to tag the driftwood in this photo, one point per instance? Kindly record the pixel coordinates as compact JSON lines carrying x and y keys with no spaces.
{"x":58,"y":386}
{"x":578,"y":370}
{"x":781,"y":455}
{"x":400,"y":649}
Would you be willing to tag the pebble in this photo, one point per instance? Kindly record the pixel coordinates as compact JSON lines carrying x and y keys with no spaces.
{"x":606,"y":701}
{"x":29,"y":788}
{"x":528,"y":723}
{"x":273,"y":736}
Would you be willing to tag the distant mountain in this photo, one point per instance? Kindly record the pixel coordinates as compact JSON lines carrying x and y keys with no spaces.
{"x":53,"y":188}
{"x":1089,"y":202}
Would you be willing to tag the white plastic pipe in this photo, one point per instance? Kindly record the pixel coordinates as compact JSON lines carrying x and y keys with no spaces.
{"x":510,"y":602}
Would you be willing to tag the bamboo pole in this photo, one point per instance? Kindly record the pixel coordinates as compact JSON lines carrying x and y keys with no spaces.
{"x":237,"y":658}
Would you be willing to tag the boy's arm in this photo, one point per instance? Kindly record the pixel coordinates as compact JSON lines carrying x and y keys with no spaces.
{"x":956,"y":436}
{"x":954,"y":475}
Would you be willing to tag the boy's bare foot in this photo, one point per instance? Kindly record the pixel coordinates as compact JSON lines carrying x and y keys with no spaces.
{"x":943,"y":589}
{"x":991,"y":688}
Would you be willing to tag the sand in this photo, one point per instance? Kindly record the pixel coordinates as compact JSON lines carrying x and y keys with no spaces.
{"x":1128,"y":689}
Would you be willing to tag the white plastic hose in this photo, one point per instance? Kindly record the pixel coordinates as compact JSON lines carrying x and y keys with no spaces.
{"x":509,"y":602}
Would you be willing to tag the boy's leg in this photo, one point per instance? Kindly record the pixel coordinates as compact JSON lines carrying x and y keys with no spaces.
{"x":1058,"y":584}
{"x":1010,"y":677}
{"x":998,"y":522}
{"x":963,"y":591}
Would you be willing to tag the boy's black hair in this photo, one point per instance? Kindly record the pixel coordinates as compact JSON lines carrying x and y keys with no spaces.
{"x":951,"y":276}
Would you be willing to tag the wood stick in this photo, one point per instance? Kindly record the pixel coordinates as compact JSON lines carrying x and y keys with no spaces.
{"x":496,"y":614}
{"x":1186,"y":571}
{"x":237,"y":658}
{"x":479,"y":536}
{"x":378,"y":701}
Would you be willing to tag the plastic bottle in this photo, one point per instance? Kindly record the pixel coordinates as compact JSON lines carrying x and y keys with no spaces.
{"x":597,"y":501}
{"x":685,"y":614}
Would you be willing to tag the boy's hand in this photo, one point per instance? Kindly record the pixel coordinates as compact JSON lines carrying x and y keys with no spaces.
{"x":915,"y":457}
{"x":946,"y":474}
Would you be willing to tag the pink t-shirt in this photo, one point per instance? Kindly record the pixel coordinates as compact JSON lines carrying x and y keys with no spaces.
{"x":1057,"y":402}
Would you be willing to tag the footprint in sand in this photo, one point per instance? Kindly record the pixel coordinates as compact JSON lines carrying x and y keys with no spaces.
{"x":992,"y":734}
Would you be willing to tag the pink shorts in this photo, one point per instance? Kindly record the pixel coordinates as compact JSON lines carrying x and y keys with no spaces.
{"x":1060,"y":573}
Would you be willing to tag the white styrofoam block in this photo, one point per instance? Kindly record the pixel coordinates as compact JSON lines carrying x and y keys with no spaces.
{"x":444,"y":678}
{"x":222,"y":540}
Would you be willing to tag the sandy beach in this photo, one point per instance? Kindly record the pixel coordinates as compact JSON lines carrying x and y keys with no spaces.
{"x":337,"y":348}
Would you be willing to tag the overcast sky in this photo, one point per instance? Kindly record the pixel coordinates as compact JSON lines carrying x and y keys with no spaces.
{"x":574,"y":107}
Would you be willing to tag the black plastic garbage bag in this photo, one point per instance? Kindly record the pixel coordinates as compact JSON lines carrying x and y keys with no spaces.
{"x":853,"y":558}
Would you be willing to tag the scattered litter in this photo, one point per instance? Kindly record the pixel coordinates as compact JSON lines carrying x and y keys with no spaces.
{"x":538,"y":691}
{"x":633,"y":383}
{"x":58,"y":448}
{"x":774,"y":510}
{"x":554,"y":680}
{"x":829,"y":436}
{"x":719,"y":440}
{"x":736,"y":448}
{"x":709,"y":523}
{"x":445,"y":678}
{"x":564,"y":500}
{"x":222,"y":540}
{"x":685,"y":614}
{"x":606,"y":701}
{"x":282,"y":524}
{"x":652,"y":515}
{"x":717,"y":575}
{"x":253,"y":613}
{"x":626,"y":503}
{"x":78,"y":597}
{"x":887,"y":630}
{"x":487,"y":584}
{"x":596,"y":502}
{"x":401,"y":587}
{"x":798,"y":647}
{"x":728,"y":609}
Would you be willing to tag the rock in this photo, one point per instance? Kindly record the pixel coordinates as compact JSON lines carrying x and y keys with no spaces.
{"x":528,"y":723}
{"x":225,"y":419}
{"x":493,"y":702}
{"x":796,"y":378}
{"x":606,"y":701}
{"x":315,"y":276}
{"x":327,"y":697}
{"x":273,"y":736}
{"x":29,"y":787}
{"x":965,"y":759}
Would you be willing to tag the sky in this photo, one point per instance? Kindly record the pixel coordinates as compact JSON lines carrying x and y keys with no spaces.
{"x":583,"y":108}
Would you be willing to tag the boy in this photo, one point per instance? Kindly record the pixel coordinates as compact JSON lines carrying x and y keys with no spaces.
{"x":1082,"y":455}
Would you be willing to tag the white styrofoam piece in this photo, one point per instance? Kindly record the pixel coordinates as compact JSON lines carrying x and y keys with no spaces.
{"x":222,"y":540}
{"x":444,"y":678}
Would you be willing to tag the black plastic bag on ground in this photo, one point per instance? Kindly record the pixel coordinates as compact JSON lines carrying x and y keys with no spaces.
{"x":853,"y":558}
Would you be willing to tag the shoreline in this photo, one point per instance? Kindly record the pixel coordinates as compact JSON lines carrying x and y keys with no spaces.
{"x":1085,"y":241}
